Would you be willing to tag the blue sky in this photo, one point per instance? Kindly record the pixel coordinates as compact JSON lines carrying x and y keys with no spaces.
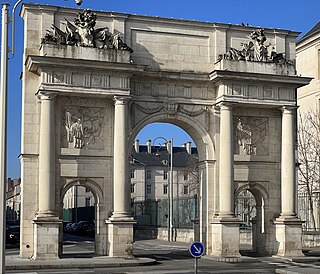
{"x":290,"y":15}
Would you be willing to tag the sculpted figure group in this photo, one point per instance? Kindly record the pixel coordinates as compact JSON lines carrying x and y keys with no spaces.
{"x":255,"y":50}
{"x":82,"y":33}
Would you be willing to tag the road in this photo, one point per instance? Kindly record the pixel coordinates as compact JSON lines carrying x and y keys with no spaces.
{"x":172,"y":258}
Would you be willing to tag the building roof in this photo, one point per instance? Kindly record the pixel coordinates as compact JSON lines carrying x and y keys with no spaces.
{"x":314,"y":30}
{"x":159,"y":156}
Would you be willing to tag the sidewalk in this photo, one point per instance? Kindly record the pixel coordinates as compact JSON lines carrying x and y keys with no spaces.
{"x":14,"y":262}
{"x":87,"y":260}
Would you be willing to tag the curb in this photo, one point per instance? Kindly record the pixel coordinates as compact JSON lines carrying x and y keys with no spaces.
{"x":34,"y":265}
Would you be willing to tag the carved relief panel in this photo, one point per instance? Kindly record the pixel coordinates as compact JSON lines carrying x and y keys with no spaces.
{"x":82,"y":127}
{"x":251,"y":135}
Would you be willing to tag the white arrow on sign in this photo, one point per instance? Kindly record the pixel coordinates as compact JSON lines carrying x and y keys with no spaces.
{"x":198,"y":250}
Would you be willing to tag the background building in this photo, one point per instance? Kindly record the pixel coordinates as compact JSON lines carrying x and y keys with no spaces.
{"x":150,"y":178}
{"x":150,"y":169}
{"x":13,"y":199}
{"x":308,"y":64}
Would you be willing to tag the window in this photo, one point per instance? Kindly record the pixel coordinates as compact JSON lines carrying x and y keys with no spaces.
{"x":87,"y":189}
{"x":185,"y":189}
{"x":148,"y":174}
{"x":132,"y":173}
{"x":148,"y":189}
{"x":133,"y":187}
{"x":165,"y":175}
{"x":165,"y":189}
{"x":185,"y":176}
{"x":87,"y":201}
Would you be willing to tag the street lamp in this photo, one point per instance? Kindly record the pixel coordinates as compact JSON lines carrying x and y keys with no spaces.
{"x":170,"y":192}
{"x":3,"y":118}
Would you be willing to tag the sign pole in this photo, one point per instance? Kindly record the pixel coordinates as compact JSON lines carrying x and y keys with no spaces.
{"x":196,"y":265}
{"x":196,"y":250}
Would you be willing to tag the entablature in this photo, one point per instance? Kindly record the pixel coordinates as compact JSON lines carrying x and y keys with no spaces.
{"x":78,"y":76}
{"x":256,"y":83}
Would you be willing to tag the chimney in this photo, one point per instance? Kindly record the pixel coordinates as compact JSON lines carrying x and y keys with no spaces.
{"x":149,"y":146}
{"x":188,"y":147}
{"x":136,"y":146}
{"x":169,"y":144}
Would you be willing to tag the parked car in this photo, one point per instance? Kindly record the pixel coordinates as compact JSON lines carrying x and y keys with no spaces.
{"x":67,"y":228}
{"x":12,"y":234}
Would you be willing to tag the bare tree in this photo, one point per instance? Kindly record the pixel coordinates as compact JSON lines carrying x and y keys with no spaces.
{"x":192,"y":172}
{"x":309,"y":157}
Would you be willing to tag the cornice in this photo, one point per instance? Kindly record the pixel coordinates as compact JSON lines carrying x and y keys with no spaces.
{"x":295,"y":81}
{"x":34,"y":63}
{"x":158,"y":19}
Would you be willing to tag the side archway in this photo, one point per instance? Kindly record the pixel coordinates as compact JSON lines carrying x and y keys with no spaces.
{"x":260,"y":235}
{"x":100,"y":244}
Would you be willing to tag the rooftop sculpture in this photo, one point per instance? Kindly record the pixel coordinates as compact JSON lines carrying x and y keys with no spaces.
{"x":82,"y":33}
{"x":255,"y":50}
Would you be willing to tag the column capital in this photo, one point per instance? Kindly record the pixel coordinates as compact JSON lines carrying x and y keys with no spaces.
{"x":46,"y":95}
{"x":121,"y":100}
{"x":225,"y":105}
{"x":289,"y":109}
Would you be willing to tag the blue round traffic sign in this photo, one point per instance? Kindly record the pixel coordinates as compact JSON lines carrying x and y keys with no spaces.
{"x":196,"y":249}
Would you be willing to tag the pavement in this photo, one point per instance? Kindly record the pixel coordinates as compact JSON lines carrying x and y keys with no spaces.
{"x":14,"y":262}
{"x":299,"y":265}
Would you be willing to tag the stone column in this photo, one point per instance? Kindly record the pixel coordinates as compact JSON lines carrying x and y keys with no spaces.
{"x":121,"y":187}
{"x":288,"y":164}
{"x":226,"y":185}
{"x":47,"y":156}
{"x":225,"y":227}
{"x":120,"y":224}
{"x":46,"y":222}
{"x":288,"y":225}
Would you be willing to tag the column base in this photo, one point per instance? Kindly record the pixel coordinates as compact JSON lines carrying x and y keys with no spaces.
{"x":46,"y":238}
{"x":289,"y":236}
{"x":225,"y":237}
{"x":120,"y":237}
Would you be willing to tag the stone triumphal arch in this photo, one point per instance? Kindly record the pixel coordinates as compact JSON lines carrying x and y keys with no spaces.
{"x":93,"y":80}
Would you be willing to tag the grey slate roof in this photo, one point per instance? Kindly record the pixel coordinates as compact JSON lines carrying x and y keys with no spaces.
{"x":315,"y":29}
{"x":181,"y":158}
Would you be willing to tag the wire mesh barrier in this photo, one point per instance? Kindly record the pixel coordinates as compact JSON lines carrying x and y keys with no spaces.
{"x":155,"y":212}
{"x":309,"y":211}
{"x":245,"y":209}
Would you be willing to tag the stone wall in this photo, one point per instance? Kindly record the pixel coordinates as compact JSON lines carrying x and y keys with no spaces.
{"x":309,"y":239}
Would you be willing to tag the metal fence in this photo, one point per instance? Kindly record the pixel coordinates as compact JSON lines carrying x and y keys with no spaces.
{"x":155,"y":212}
{"x":305,"y":212}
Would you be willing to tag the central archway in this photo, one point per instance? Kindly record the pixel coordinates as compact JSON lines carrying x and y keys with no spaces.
{"x":195,"y":125}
